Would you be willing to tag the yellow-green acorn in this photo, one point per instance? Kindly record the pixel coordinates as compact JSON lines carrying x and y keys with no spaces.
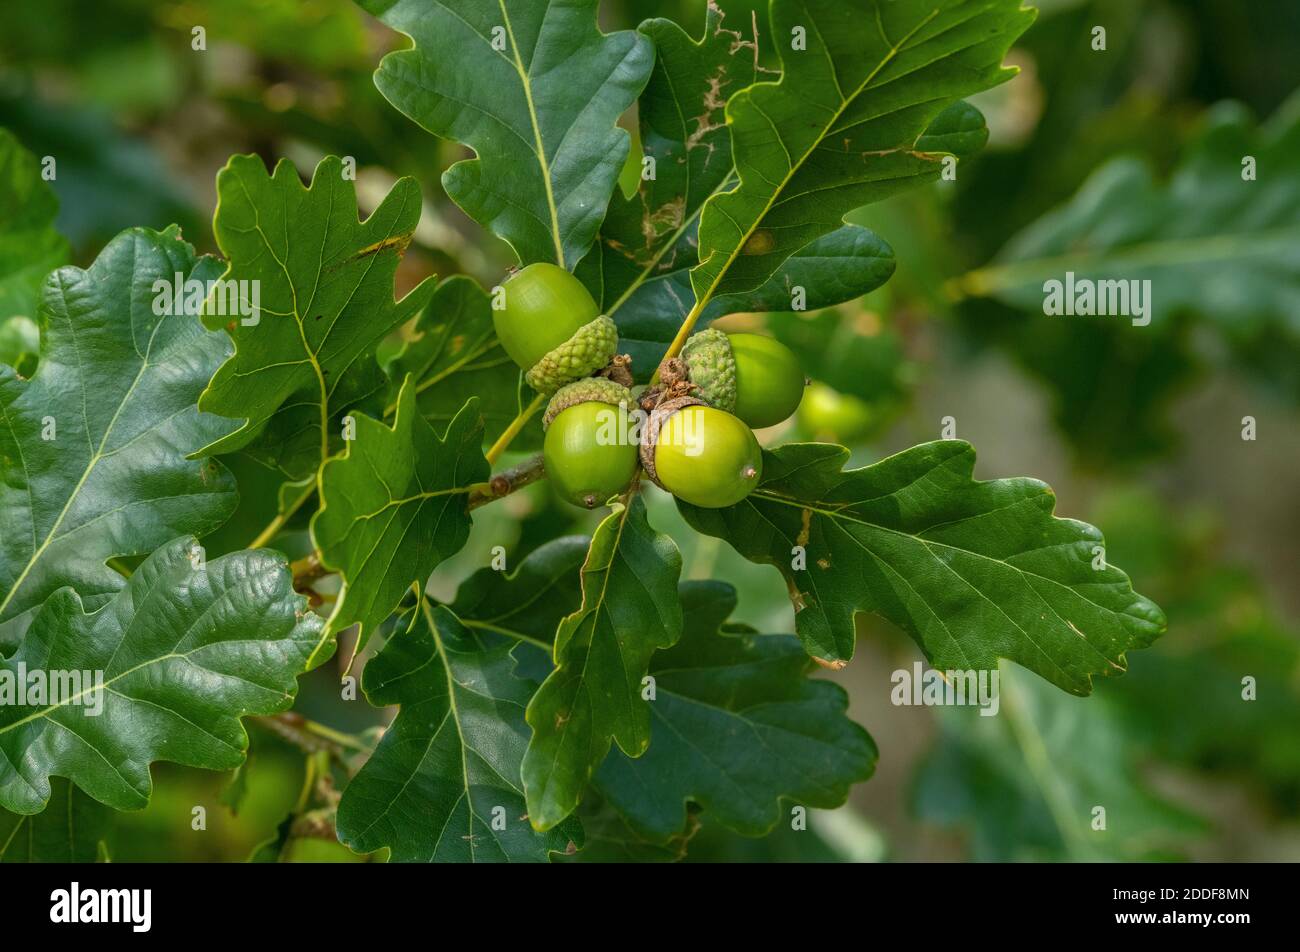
{"x":551,"y":327}
{"x":706,"y":457}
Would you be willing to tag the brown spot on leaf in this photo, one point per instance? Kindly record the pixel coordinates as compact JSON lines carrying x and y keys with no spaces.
{"x":664,"y":219}
{"x":760,"y":243}
{"x":714,"y":103}
{"x":805,"y":528}
{"x":796,"y":597}
{"x":398,"y":243}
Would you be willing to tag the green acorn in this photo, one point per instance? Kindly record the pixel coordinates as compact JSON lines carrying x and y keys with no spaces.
{"x":754,"y":377}
{"x":587,"y":453}
{"x":550,"y":326}
{"x":702,"y":455}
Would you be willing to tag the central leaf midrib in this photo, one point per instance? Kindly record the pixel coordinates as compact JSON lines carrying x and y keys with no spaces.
{"x":839,"y":514}
{"x":669,"y":245}
{"x":297,"y":318}
{"x":454,"y":711}
{"x":526,"y":83}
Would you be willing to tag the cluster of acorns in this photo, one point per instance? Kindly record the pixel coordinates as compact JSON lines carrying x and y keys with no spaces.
{"x":692,"y":432}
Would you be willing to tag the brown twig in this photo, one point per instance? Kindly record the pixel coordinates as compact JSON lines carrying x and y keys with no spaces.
{"x":508,"y":481}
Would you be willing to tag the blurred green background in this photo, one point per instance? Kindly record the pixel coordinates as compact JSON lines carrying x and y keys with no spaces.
{"x":1137,"y":429}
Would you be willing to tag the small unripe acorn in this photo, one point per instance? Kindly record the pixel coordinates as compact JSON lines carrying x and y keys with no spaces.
{"x":755,"y":377}
{"x":588,"y":453}
{"x":827,"y":414}
{"x":544,"y":307}
{"x":707,"y":457}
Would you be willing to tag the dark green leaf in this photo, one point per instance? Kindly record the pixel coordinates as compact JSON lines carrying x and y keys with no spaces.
{"x":608,"y":839}
{"x":393,"y":507}
{"x":960,"y":129}
{"x":840,"y":128}
{"x":602,"y":653}
{"x":737,"y":726}
{"x":535,"y":89}
{"x":640,"y":268}
{"x":326,"y":288}
{"x":649,"y":238}
{"x":455,"y":357}
{"x":1025,"y":784}
{"x":93,"y":450}
{"x":973,"y":571}
{"x":71,"y":829}
{"x":443,"y":785}
{"x":184,"y":652}
{"x":1184,"y":236}
{"x":838,"y":267}
{"x":529,"y":603}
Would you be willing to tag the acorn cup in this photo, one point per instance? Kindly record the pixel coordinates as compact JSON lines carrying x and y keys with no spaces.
{"x":754,"y":377}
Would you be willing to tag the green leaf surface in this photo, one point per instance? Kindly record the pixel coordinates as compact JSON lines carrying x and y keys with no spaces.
{"x":444,"y":783}
{"x":737,"y":726}
{"x":93,"y":447}
{"x":608,"y":839}
{"x":457,"y":356}
{"x":973,"y":571}
{"x":602,"y":652}
{"x":393,"y":507}
{"x":326,"y":298}
{"x":184,"y":653}
{"x":30,"y":248}
{"x":960,"y":130}
{"x":846,"y":264}
{"x":639,"y":270}
{"x":840,"y":128}
{"x":856,"y":352}
{"x":535,"y":89}
{"x":1183,"y":235}
{"x":529,"y":603}
{"x":71,"y":829}
{"x":1023,"y":786}
{"x":1184,"y":701}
